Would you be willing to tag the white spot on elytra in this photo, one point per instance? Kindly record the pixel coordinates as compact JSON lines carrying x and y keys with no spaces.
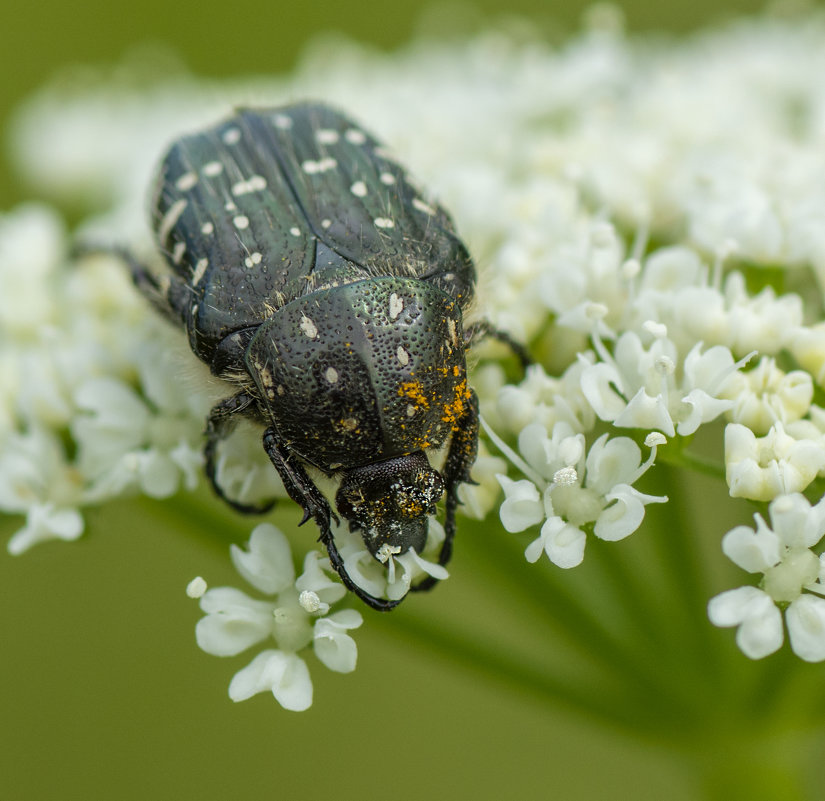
{"x":326,"y":223}
{"x":186,"y":181}
{"x":452,"y":329}
{"x":241,"y":221}
{"x":359,"y":189}
{"x":383,"y":222}
{"x":169,"y":219}
{"x":326,"y":136}
{"x":252,"y":259}
{"x":322,"y":165}
{"x":411,"y":410}
{"x":331,"y":375}
{"x":207,"y":228}
{"x":295,"y":231}
{"x":178,"y":251}
{"x":422,"y":206}
{"x":308,"y":327}
{"x":212,"y":168}
{"x":387,"y":178}
{"x":403,"y":356}
{"x":282,"y":121}
{"x":396,"y":306}
{"x":231,"y":136}
{"x":355,"y":137}
{"x":230,"y":206}
{"x":254,"y":184}
{"x":200,"y":269}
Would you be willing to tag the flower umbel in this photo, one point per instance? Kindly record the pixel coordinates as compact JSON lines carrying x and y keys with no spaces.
{"x":295,"y":618}
{"x":647,"y":219}
{"x":793,"y":580}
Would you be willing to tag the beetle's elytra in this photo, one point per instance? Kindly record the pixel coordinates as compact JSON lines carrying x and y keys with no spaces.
{"x":311,"y":274}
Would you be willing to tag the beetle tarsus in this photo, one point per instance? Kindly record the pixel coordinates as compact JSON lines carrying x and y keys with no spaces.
{"x":219,"y":425}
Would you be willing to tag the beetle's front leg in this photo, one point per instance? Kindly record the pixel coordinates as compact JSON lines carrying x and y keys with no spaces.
{"x":456,"y":471}
{"x":301,"y":488}
{"x":482,"y":329}
{"x":219,"y":425}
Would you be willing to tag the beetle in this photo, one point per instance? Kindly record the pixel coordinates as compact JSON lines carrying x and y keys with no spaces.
{"x":310,"y":273}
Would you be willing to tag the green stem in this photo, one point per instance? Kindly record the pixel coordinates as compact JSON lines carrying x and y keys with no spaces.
{"x":573,"y":614}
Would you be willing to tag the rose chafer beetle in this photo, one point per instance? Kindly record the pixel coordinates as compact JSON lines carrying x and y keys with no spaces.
{"x":310,"y":273}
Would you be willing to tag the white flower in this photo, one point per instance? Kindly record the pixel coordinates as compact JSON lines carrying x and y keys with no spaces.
{"x":791,"y":574}
{"x":123,"y":443}
{"x":235,"y":622}
{"x":761,"y":468}
{"x":766,"y":395}
{"x":592,"y":492}
{"x":637,"y":387}
{"x":392,"y":577}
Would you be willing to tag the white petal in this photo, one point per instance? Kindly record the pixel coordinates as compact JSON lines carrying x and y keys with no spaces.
{"x":623,"y":516}
{"x":599,"y":383}
{"x":159,"y":476}
{"x":611,"y":462}
{"x":563,"y":542}
{"x":286,"y":675}
{"x":761,"y":635}
{"x":646,"y":412}
{"x":806,"y":627}
{"x":731,"y":607}
{"x":697,"y":408}
{"x":316,"y":580}
{"x":754,"y":551}
{"x":522,"y":506}
{"x":333,"y":646}
{"x":233,"y":622}
{"x":759,"y":621}
{"x":795,"y":522}
{"x":267,"y":565}
{"x":44,"y":522}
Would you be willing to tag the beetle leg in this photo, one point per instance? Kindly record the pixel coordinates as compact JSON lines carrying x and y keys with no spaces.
{"x":301,"y":488}
{"x":219,"y":425}
{"x":168,"y":293}
{"x":482,"y":329}
{"x":460,"y":458}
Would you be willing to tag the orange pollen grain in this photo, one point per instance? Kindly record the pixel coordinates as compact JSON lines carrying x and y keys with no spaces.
{"x":414,"y":391}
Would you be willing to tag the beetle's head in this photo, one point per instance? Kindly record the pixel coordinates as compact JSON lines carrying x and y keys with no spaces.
{"x":390,"y":502}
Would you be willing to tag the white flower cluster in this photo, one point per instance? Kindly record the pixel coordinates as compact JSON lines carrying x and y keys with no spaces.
{"x":651,"y":218}
{"x":296,"y":618}
{"x":793,"y":579}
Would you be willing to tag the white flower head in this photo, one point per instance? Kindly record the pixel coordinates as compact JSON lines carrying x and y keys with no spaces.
{"x":791,"y":580}
{"x":766,"y":395}
{"x":762,"y":468}
{"x":391,"y":574}
{"x":638,"y":387}
{"x":573,"y":492}
{"x":294,"y":617}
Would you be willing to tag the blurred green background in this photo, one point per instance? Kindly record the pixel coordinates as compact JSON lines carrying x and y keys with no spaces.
{"x":103,"y":693}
